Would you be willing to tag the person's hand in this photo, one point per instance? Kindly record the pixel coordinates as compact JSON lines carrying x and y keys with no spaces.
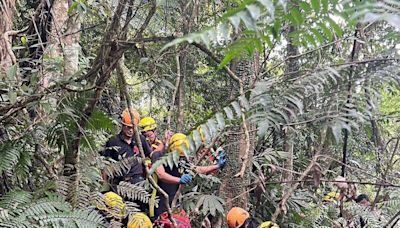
{"x":167,"y":136}
{"x":185,"y":179}
{"x":221,"y":158}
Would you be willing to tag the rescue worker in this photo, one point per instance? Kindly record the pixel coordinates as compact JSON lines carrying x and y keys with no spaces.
{"x":207,"y":152}
{"x":112,"y":206}
{"x":124,"y":146}
{"x":170,"y":179}
{"x":363,"y":200}
{"x":148,"y":128}
{"x":239,"y":218}
{"x":139,"y":220}
{"x":331,"y":197}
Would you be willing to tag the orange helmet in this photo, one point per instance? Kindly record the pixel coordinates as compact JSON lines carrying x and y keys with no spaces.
{"x":236,"y":217}
{"x":126,"y":118}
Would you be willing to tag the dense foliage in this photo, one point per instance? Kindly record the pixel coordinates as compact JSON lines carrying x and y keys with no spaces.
{"x":316,"y":81}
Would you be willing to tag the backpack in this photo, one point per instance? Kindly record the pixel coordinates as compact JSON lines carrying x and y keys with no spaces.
{"x":180,"y":217}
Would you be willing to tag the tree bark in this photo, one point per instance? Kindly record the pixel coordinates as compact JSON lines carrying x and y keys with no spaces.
{"x":71,"y":45}
{"x":181,"y":92}
{"x":288,"y":132}
{"x":56,"y":42}
{"x":7,"y":10}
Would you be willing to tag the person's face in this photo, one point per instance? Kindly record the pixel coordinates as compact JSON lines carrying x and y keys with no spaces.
{"x":150,"y":136}
{"x":365,"y":202}
{"x":128,"y":131}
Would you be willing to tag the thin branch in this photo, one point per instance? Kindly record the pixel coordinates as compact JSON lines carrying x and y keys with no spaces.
{"x":133,"y":42}
{"x":217,"y":60}
{"x":302,"y":54}
{"x":281,"y":207}
{"x":335,"y":181}
{"x":148,"y":18}
{"x":388,"y":167}
{"x":391,"y":220}
{"x":173,"y":101}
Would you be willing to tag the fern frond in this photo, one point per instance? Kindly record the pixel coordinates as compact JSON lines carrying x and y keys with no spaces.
{"x":133,"y":192}
{"x":15,"y":199}
{"x":120,"y":167}
{"x":80,"y":218}
{"x":10,"y":154}
{"x":170,"y":159}
{"x":48,"y":205}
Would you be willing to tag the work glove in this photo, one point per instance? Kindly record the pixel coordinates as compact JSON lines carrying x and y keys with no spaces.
{"x":221,"y":158}
{"x":185,"y":179}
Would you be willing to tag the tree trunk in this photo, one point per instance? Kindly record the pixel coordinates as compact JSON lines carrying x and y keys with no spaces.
{"x":288,"y":132}
{"x":71,"y":45}
{"x":234,"y":189}
{"x":181,"y":93}
{"x":56,"y":42}
{"x":7,"y":10}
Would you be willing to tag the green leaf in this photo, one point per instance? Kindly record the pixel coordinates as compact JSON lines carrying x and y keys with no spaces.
{"x":248,"y":20}
{"x":211,"y":124}
{"x":220,"y":120}
{"x":297,"y":16}
{"x":291,"y":18}
{"x":325,"y":5}
{"x":12,"y":96}
{"x":24,"y":40}
{"x":254,"y":11}
{"x":100,"y":121}
{"x":196,"y":138}
{"x":170,"y":160}
{"x":268,"y":41}
{"x":269,"y":6}
{"x":318,"y":35}
{"x":229,"y":113}
{"x":316,"y":5}
{"x":244,"y":102}
{"x":305,"y":6}
{"x":73,"y":7}
{"x":12,"y":72}
{"x":235,"y":21}
{"x":236,"y":106}
{"x":326,"y":31}
{"x":310,"y":39}
{"x":335,"y":27}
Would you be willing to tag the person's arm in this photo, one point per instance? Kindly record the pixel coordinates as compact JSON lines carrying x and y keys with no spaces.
{"x":165,"y":177}
{"x":206,"y":169}
{"x":212,"y":168}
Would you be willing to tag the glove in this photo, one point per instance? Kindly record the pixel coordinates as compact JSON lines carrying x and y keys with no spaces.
{"x":185,"y":179}
{"x":221,"y":159}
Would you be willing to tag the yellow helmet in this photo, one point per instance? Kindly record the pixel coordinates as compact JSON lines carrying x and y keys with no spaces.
{"x":148,"y":124}
{"x":139,"y":220}
{"x":330,"y":197}
{"x":268,"y":224}
{"x":114,"y":205}
{"x":176,"y":142}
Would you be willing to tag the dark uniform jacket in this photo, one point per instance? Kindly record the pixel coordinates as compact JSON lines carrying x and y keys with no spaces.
{"x":118,"y":149}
